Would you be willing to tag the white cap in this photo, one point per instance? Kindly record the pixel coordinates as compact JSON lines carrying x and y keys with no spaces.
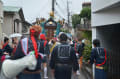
{"x":83,"y":41}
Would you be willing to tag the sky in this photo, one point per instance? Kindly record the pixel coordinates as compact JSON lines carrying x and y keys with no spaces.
{"x":33,"y":9}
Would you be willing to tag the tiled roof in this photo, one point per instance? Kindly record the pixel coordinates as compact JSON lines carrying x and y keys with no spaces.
{"x":11,"y":9}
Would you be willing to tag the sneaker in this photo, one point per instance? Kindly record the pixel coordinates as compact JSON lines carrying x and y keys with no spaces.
{"x":45,"y":77}
{"x":78,"y":72}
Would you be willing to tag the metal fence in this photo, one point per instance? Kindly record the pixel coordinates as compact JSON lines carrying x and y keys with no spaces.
{"x":113,"y":64}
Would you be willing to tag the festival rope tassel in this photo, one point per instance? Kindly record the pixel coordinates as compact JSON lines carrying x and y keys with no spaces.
{"x":34,"y":42}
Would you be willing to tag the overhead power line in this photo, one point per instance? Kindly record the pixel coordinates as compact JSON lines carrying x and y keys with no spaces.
{"x":61,"y":9}
{"x":57,"y":13}
{"x":64,"y":3}
{"x":41,"y":10}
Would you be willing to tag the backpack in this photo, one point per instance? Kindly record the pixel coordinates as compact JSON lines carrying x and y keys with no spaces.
{"x":63,"y":55}
{"x":101,"y":55}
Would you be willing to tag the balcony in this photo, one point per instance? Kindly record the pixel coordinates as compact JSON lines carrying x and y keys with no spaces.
{"x":84,"y":27}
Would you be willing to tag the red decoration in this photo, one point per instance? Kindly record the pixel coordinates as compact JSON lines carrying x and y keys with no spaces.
{"x":5,"y":45}
{"x":32,"y":31}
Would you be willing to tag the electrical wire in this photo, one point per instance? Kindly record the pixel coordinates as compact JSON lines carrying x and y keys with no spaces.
{"x":58,"y":5}
{"x":57,"y":13}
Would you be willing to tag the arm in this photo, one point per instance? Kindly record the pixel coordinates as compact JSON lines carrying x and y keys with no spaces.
{"x":9,"y":49}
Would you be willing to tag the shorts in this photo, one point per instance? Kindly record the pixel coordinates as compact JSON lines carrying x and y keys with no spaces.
{"x":44,"y":60}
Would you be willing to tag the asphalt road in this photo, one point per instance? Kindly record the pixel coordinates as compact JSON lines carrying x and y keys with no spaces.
{"x":82,"y":75}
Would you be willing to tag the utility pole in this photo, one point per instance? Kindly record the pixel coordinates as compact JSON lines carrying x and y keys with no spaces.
{"x":53,"y":6}
{"x":68,"y":13}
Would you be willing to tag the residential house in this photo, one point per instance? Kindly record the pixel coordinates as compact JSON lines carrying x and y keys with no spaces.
{"x":13,"y":20}
{"x":106,"y":27}
{"x":85,"y":23}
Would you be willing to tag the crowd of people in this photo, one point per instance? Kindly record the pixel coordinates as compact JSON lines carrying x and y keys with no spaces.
{"x":62,"y":54}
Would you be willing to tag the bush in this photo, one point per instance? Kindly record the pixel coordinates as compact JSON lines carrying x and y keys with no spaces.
{"x":87,"y":35}
{"x":87,"y":52}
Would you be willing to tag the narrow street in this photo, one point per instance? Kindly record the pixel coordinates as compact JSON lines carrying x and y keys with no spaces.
{"x":62,"y":34}
{"x":83,"y":74}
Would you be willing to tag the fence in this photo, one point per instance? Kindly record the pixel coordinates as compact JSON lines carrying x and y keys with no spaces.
{"x":113,"y":64}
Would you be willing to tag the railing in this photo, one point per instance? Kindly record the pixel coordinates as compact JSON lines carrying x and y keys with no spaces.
{"x":84,"y":27}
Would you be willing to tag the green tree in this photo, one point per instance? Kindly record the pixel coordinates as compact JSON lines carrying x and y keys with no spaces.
{"x":86,"y":13}
{"x":75,"y":20}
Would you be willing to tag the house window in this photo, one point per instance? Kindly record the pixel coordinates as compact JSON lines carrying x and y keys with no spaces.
{"x":16,"y":26}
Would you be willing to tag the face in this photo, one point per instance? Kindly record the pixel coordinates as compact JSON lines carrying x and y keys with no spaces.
{"x":8,"y":41}
{"x":15,"y":40}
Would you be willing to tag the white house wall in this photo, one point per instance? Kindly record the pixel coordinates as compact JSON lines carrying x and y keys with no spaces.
{"x":110,"y":16}
{"x":93,"y":33}
{"x":8,"y":24}
{"x":1,"y":18}
{"x":100,"y":4}
{"x":1,"y":9}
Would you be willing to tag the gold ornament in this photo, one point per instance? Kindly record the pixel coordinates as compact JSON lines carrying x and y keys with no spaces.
{"x":52,"y":13}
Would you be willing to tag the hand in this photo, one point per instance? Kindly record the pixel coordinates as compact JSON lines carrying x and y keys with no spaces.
{"x":6,"y":53}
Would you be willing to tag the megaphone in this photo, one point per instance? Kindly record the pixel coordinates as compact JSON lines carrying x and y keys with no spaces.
{"x":11,"y":68}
